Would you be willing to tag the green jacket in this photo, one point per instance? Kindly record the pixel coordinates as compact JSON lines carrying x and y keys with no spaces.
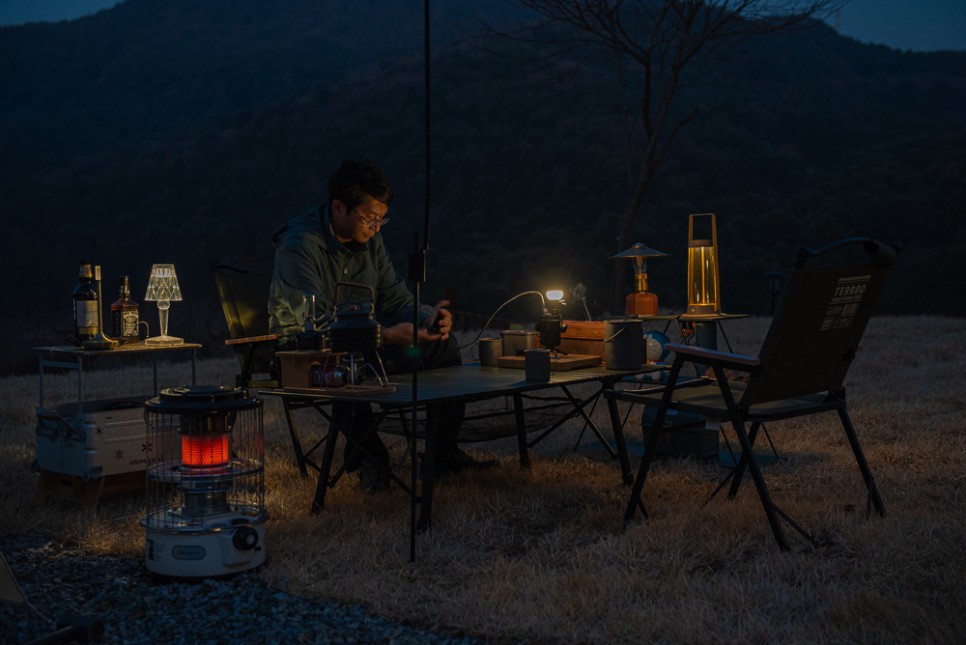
{"x":309,"y":260}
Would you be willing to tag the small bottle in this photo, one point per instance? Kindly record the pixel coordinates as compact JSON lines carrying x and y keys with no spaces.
{"x":124,"y":314}
{"x":86,"y":323}
{"x":309,"y":339}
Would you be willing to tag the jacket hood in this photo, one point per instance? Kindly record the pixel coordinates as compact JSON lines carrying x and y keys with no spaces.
{"x":312,"y":224}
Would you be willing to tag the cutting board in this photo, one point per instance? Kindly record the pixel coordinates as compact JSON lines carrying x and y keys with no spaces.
{"x":559,"y":364}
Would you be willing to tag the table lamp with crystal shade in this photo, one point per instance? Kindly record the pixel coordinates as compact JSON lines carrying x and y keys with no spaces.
{"x":163,"y":288}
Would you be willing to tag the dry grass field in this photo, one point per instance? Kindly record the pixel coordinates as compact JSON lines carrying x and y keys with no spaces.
{"x":542,"y":556}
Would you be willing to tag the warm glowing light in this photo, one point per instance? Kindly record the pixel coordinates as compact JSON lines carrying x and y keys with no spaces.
{"x":704,"y":295}
{"x":163,"y":288}
{"x":204,"y":450}
{"x":555,"y":294}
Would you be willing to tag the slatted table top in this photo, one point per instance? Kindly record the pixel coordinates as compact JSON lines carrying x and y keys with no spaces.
{"x":469,"y":382}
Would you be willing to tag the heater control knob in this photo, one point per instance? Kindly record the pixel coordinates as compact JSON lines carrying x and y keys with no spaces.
{"x":245,"y":538}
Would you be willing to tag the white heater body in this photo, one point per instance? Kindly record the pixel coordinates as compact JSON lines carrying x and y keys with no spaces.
{"x":205,"y":483}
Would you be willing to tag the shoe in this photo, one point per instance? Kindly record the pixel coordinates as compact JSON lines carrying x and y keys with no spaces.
{"x":457,"y":461}
{"x":373,"y":477}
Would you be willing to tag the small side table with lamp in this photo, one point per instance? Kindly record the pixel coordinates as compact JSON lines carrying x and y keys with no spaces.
{"x":87,"y":447}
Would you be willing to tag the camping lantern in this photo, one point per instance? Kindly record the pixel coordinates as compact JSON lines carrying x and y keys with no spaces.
{"x":640,"y":302}
{"x":703,"y":290}
{"x":205,"y":482}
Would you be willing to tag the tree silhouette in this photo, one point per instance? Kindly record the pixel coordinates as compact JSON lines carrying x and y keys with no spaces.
{"x":661,"y":48}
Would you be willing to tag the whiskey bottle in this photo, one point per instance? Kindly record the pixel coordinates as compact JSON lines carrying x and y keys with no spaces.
{"x":124,"y":314}
{"x":85,"y":305}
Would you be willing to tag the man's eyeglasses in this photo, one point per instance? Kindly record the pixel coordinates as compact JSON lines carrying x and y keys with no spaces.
{"x":373,"y":224}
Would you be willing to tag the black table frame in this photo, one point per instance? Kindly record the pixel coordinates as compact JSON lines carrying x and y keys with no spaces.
{"x":69,"y":357}
{"x":464,"y":383}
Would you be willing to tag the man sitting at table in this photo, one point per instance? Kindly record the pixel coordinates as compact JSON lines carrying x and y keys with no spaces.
{"x":340,"y":242}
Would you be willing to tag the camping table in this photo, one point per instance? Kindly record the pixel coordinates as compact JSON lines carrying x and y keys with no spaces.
{"x":69,"y":357}
{"x":464,"y":383}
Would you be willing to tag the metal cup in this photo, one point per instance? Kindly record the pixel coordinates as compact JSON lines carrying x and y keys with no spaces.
{"x":536,"y":364}
{"x":491,"y":349}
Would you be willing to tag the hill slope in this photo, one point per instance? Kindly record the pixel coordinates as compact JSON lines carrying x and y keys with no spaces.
{"x":187,"y":132}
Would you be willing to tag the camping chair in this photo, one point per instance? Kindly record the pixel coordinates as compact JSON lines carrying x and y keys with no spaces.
{"x":244,"y":301}
{"x":799,"y":370}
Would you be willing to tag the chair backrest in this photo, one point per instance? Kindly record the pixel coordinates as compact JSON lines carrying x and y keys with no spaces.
{"x":244,"y":301}
{"x":820,"y":320}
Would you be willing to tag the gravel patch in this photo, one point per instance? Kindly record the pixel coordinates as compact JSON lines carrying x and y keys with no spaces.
{"x":136,"y":608}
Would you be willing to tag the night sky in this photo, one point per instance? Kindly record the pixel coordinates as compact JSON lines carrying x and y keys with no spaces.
{"x":920,"y":25}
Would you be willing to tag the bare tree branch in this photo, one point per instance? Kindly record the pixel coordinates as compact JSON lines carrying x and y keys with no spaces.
{"x":664,"y":39}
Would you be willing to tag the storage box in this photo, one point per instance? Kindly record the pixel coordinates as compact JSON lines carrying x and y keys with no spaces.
{"x":105,"y":438}
{"x":685,"y":434}
{"x":296,"y":366}
{"x":583,"y":337}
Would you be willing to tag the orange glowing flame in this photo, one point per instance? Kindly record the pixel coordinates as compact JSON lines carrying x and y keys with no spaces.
{"x":204,"y":450}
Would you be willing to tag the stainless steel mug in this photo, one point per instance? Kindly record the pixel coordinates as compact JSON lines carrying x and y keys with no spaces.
{"x":491,"y":349}
{"x":536,"y":364}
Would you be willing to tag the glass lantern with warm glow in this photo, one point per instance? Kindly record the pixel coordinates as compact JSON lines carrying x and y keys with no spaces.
{"x":163,"y":288}
{"x":703,"y":287}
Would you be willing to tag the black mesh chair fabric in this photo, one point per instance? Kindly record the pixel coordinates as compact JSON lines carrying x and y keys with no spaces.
{"x":800,"y":370}
{"x":244,"y":301}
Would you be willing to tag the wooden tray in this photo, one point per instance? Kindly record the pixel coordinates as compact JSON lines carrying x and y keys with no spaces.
{"x":557,"y":364}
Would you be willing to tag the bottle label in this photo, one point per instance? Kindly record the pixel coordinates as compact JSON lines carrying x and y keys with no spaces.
{"x":86,"y":312}
{"x":129,"y":323}
{"x":124,"y":322}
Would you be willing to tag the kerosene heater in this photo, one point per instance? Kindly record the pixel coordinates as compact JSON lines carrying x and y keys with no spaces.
{"x":206,"y":512}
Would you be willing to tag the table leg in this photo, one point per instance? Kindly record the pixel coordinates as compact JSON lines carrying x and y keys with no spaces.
{"x":579,"y":409}
{"x":293,"y":434}
{"x":618,"y":426}
{"x":428,"y":468}
{"x":327,"y":457}
{"x":521,"y":429}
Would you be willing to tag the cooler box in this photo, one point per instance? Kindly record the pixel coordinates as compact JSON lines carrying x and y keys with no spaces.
{"x":106,"y":438}
{"x":685,"y":435}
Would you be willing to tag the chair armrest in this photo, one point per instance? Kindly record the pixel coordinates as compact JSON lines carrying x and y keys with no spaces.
{"x":253,"y":340}
{"x":739,"y":362}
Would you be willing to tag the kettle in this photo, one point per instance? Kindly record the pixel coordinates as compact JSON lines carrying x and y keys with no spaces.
{"x":355,"y":329}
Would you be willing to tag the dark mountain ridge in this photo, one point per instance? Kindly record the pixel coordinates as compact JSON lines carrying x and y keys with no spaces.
{"x":187,"y":132}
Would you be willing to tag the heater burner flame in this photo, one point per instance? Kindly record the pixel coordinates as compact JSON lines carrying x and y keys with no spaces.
{"x":204,"y":450}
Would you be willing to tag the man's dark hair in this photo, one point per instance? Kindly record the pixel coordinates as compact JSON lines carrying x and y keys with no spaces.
{"x":355,"y":179}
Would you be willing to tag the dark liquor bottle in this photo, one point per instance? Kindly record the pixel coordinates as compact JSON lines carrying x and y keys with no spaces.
{"x":86,"y":324}
{"x":124,"y":314}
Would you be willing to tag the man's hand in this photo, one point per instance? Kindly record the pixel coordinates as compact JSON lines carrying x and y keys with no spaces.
{"x":444,"y":322}
{"x":401,"y":334}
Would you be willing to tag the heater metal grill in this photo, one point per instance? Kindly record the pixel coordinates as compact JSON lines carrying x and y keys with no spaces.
{"x":205,"y":482}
